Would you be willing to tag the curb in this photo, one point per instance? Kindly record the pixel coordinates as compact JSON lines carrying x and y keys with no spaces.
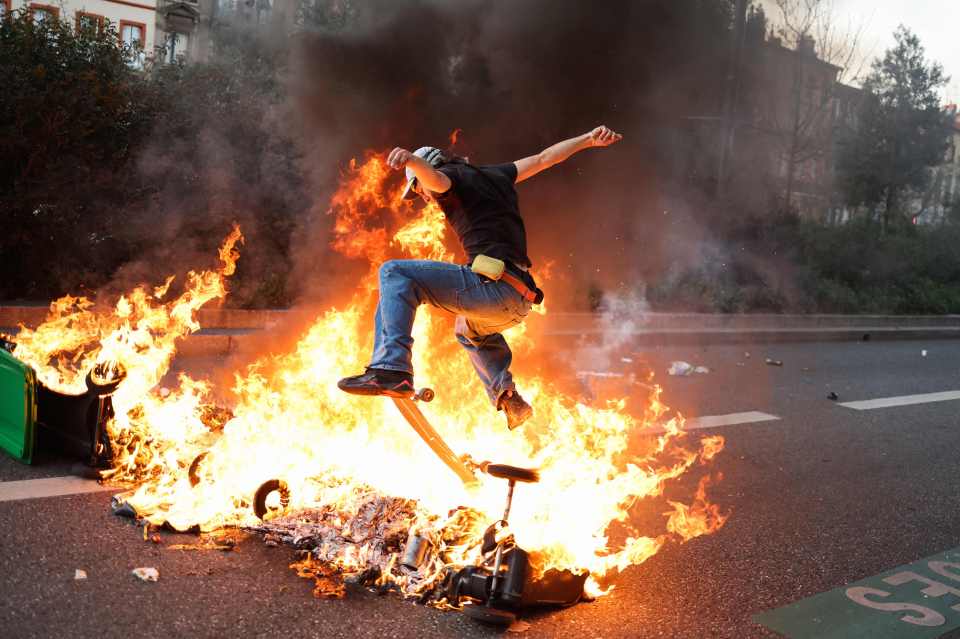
{"x":768,"y":336}
{"x":229,"y":331}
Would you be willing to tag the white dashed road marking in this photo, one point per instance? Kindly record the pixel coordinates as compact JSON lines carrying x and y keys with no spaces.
{"x":48,"y":487}
{"x":902,"y":400}
{"x":713,"y":421}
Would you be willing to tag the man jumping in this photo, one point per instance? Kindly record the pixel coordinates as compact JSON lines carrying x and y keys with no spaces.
{"x":494,"y":292}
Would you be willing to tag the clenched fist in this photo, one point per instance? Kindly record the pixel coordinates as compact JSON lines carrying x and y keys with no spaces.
{"x":602,"y":136}
{"x":398,"y":158}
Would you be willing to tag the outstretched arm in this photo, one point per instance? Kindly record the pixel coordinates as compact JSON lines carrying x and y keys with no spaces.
{"x":428,"y":177}
{"x":600,"y":136}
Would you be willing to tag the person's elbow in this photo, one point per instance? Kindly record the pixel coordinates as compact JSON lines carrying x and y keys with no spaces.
{"x":438,"y":182}
{"x":545,"y":160}
{"x":541,"y":162}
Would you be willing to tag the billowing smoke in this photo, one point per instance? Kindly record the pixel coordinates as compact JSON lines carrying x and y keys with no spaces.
{"x":517,"y":77}
{"x":259,"y":134}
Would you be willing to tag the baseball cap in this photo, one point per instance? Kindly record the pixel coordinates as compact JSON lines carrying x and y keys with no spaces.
{"x":434,"y":158}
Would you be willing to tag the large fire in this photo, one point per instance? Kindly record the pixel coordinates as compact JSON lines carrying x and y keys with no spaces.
{"x":190,"y":463}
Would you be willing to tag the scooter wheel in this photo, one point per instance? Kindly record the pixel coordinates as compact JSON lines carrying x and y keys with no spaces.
{"x":489,"y":615}
{"x":426,"y":395}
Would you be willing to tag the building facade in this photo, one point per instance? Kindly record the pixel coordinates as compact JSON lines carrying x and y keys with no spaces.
{"x":943,"y":194}
{"x":135,"y":20}
{"x":788,"y":109}
{"x":164,"y":31}
{"x":183,"y":30}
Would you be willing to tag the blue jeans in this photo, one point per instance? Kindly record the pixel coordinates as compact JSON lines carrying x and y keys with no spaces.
{"x":483,"y":308}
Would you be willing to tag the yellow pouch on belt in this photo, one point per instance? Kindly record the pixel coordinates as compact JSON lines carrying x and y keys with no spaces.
{"x":489,"y":266}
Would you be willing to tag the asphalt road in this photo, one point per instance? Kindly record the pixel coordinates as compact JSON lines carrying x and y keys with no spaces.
{"x":821,"y":497}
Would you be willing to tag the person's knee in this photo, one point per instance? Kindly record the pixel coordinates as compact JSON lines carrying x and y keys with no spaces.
{"x":462,"y":331}
{"x":397,"y":279}
{"x":393,"y":271}
{"x":389,"y":269}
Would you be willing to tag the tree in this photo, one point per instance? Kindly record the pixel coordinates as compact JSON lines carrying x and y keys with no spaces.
{"x":72,"y":113}
{"x":901,"y":132}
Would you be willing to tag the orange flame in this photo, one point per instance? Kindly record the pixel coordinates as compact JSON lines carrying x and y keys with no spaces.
{"x":288,"y":420}
{"x":699,"y":518}
{"x":140,"y":333}
{"x":454,"y":135}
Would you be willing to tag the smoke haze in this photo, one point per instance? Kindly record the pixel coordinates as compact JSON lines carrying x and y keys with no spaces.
{"x":260,"y":134}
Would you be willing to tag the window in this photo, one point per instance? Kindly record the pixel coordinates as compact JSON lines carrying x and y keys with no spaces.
{"x":89,"y":22}
{"x":133,"y":34}
{"x":178,"y":46}
{"x":263,"y":11}
{"x":41,"y":12}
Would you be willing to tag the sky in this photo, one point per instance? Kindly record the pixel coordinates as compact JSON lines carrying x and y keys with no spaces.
{"x":936,"y":23}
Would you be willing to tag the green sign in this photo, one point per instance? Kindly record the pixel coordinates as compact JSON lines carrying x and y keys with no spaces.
{"x":919,"y":600}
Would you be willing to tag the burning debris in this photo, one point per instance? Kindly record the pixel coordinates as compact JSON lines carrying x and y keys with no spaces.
{"x":346,"y":480}
{"x":365,"y":544}
{"x":391,"y":544}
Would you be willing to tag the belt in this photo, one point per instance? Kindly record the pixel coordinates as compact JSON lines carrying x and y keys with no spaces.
{"x":523,"y":289}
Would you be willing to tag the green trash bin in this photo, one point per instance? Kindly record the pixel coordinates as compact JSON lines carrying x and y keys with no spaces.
{"x":35,"y":419}
{"x":18,"y":407}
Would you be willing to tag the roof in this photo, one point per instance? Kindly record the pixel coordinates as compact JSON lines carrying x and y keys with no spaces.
{"x":776,"y":45}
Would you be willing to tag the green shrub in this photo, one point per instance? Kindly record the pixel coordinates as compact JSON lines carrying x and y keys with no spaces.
{"x":853,"y":268}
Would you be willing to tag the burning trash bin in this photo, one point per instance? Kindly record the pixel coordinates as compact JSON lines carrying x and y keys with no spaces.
{"x":34,"y":418}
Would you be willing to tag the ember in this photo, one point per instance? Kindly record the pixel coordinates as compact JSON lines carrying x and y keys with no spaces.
{"x":353,"y":482}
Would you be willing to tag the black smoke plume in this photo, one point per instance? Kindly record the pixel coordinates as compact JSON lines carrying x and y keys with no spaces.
{"x":516,"y":77}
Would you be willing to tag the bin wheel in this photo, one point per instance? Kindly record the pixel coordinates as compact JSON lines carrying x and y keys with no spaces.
{"x":502,"y":471}
{"x":488,"y":614}
{"x":260,"y":497}
{"x":104,"y":378}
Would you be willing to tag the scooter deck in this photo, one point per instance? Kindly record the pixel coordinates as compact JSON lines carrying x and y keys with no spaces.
{"x":411,"y":412}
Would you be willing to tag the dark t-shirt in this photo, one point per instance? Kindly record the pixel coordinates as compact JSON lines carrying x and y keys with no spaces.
{"x":482,"y":208}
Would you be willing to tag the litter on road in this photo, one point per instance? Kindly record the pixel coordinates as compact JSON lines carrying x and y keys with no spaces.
{"x":146,"y":574}
{"x":79,"y":575}
{"x":683,"y":369}
{"x":774,"y":362}
{"x":833,"y":396}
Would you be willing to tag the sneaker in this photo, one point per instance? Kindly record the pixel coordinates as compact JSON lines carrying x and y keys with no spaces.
{"x":516,"y":409}
{"x":379,"y":381}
